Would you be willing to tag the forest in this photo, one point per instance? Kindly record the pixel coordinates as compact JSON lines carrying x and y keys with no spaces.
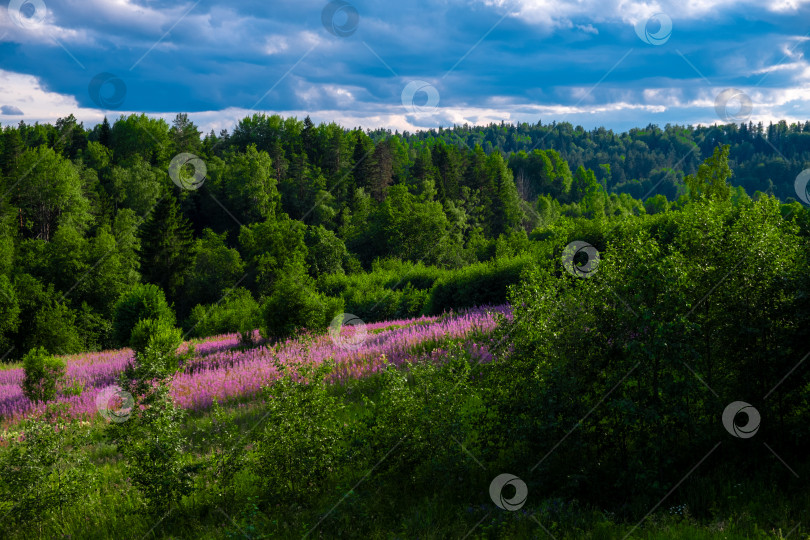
{"x":584,"y":309}
{"x":89,"y":214}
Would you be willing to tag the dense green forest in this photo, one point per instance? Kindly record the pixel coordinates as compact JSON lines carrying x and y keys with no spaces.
{"x":383,"y":222}
{"x":651,"y":385}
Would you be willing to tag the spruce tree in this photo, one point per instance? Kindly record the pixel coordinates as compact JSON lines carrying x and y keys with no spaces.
{"x":166,"y":250}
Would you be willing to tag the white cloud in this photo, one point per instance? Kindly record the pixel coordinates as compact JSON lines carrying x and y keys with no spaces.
{"x":558,"y":13}
{"x":588,"y":29}
{"x":26,"y":93}
{"x":275,"y":44}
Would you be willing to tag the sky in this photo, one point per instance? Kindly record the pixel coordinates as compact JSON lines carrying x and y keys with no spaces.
{"x":407,"y":65}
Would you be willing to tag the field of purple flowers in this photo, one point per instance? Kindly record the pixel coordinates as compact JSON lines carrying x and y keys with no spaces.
{"x":220,"y":369}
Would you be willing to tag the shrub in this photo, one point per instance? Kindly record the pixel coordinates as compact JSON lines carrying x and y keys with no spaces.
{"x":478,"y":284}
{"x":42,"y":374}
{"x":34,"y":475}
{"x":144,"y":301}
{"x":295,"y":306}
{"x":238,"y":312}
{"x":157,"y":334}
{"x":301,"y":442}
{"x":152,"y":444}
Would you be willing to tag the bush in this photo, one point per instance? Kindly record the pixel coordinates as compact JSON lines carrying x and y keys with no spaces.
{"x":238,"y":312}
{"x":145,"y":301}
{"x":42,"y":374}
{"x":295,"y":306}
{"x":152,"y":444}
{"x":301,"y":443}
{"x":34,"y":475}
{"x":157,"y":334}
{"x":477,"y":285}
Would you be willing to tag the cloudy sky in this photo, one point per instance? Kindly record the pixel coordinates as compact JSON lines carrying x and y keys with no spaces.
{"x":418,"y":63}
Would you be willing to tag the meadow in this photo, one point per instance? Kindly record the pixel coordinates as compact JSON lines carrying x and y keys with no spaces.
{"x":374,"y":431}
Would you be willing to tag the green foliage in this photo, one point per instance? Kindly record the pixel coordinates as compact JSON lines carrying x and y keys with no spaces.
{"x":711,"y":180}
{"x":136,"y":186}
{"x":677,"y":311}
{"x":216,"y":268}
{"x":303,"y":438}
{"x":477,"y":284}
{"x":145,"y":301}
{"x":152,"y":444}
{"x":43,"y":373}
{"x":325,"y":251}
{"x":40,"y":472}
{"x":271,"y":245}
{"x":295,"y":306}
{"x":237,"y":312}
{"x":423,"y":412}
{"x":51,"y":195}
{"x":9,"y":313}
{"x":155,"y":334}
{"x":166,"y":246}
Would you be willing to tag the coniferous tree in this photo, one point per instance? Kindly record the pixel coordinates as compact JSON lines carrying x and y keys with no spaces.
{"x":166,"y":249}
